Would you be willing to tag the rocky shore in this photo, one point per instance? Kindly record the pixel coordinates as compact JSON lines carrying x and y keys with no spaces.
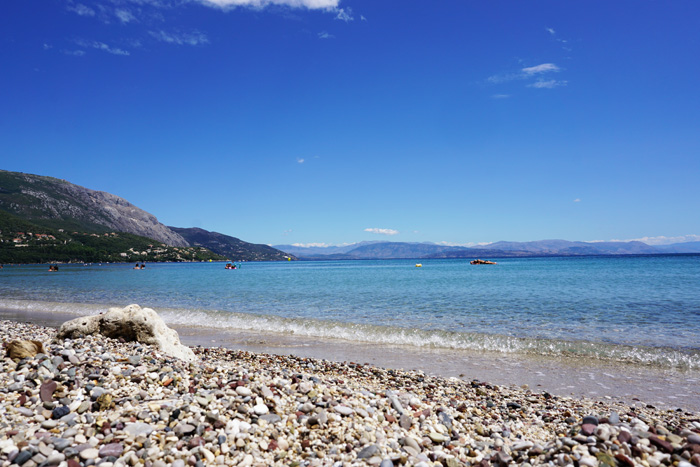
{"x":99,"y":401}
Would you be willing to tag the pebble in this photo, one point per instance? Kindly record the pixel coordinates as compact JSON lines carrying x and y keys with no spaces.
{"x":90,"y":453}
{"x":111,"y":406}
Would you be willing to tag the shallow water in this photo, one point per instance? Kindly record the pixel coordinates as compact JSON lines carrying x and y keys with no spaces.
{"x":641,"y":310}
{"x":623,"y":327}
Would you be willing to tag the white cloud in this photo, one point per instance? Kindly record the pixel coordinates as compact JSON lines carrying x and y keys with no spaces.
{"x":47,"y":46}
{"x":101,"y":46}
{"x":577,"y":200}
{"x":300,"y":160}
{"x":382,"y":231}
{"x":310,"y":4}
{"x":344,"y":14}
{"x":524,"y":73}
{"x":550,"y":30}
{"x":500,"y":96}
{"x":81,"y":9}
{"x":124,"y":16}
{"x":325,"y":35}
{"x":543,"y":68}
{"x":547,"y":84}
{"x":193,"y":38}
{"x":362,"y":18}
{"x":76,"y":53}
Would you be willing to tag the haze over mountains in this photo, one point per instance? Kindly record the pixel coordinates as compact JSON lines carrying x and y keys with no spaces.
{"x":387,"y":250}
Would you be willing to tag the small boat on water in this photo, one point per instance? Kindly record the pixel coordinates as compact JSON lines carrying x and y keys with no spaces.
{"x":481,"y":261}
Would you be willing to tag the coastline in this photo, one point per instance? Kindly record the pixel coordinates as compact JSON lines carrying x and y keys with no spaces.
{"x":98,"y":401}
{"x":590,"y":378}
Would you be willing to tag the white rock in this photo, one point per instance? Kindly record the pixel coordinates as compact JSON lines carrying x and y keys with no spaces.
{"x":132,"y":323}
{"x":343,"y":410}
{"x":261,"y":409}
{"x":243,"y":391}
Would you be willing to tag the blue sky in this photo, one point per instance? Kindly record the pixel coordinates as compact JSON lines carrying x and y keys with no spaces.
{"x":326,"y":121}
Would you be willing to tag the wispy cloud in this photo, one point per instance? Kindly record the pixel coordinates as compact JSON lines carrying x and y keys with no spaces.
{"x":382,"y":231}
{"x":362,"y":18}
{"x":344,"y":14}
{"x":577,"y":200}
{"x":101,"y":46}
{"x":81,"y":9}
{"x":180,"y":38}
{"x":547,"y":84}
{"x":300,"y":160}
{"x":529,"y":73}
{"x":310,"y":4}
{"x":325,"y":35}
{"x":539,"y":69}
{"x":75,"y":53}
{"x":125,"y":16}
{"x":500,"y":96}
{"x":550,"y":30}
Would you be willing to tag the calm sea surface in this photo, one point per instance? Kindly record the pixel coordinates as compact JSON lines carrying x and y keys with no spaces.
{"x":643,"y":310}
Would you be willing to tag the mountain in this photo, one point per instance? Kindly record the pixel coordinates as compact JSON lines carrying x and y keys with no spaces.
{"x":393,"y":250}
{"x":388,"y":250}
{"x":231,"y":247}
{"x":308,"y":251}
{"x":687,"y":247}
{"x":58,"y":204}
{"x":567,"y":248}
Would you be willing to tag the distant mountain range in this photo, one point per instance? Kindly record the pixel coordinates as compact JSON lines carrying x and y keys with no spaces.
{"x":37,"y":204}
{"x":389,"y":250}
{"x":74,"y":216}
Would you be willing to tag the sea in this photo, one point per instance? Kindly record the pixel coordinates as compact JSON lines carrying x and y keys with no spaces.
{"x":624,"y":327}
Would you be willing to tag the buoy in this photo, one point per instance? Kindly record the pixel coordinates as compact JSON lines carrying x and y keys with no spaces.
{"x":419,"y":265}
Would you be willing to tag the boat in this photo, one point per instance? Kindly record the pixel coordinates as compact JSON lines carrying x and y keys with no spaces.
{"x":481,"y":261}
{"x":419,"y":265}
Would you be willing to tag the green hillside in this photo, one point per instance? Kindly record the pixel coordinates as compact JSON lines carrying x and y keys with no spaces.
{"x":22,"y":241}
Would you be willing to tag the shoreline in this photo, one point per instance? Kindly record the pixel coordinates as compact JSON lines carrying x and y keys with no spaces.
{"x":98,"y":401}
{"x":594,"y":379}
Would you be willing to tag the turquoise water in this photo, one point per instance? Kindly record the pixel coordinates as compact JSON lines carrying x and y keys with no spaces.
{"x":643,"y":310}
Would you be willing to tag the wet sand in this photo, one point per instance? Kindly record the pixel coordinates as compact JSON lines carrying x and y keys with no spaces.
{"x":631,"y":384}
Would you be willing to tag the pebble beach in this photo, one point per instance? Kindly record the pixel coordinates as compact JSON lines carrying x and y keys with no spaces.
{"x":99,"y":401}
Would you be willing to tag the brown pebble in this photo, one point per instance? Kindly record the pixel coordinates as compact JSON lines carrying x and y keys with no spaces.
{"x":47,"y":389}
{"x":623,"y":461}
{"x":17,"y":350}
{"x":588,"y":429}
{"x":196,"y":441}
{"x":167,"y":382}
{"x":624,"y":436}
{"x":661,"y":444}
